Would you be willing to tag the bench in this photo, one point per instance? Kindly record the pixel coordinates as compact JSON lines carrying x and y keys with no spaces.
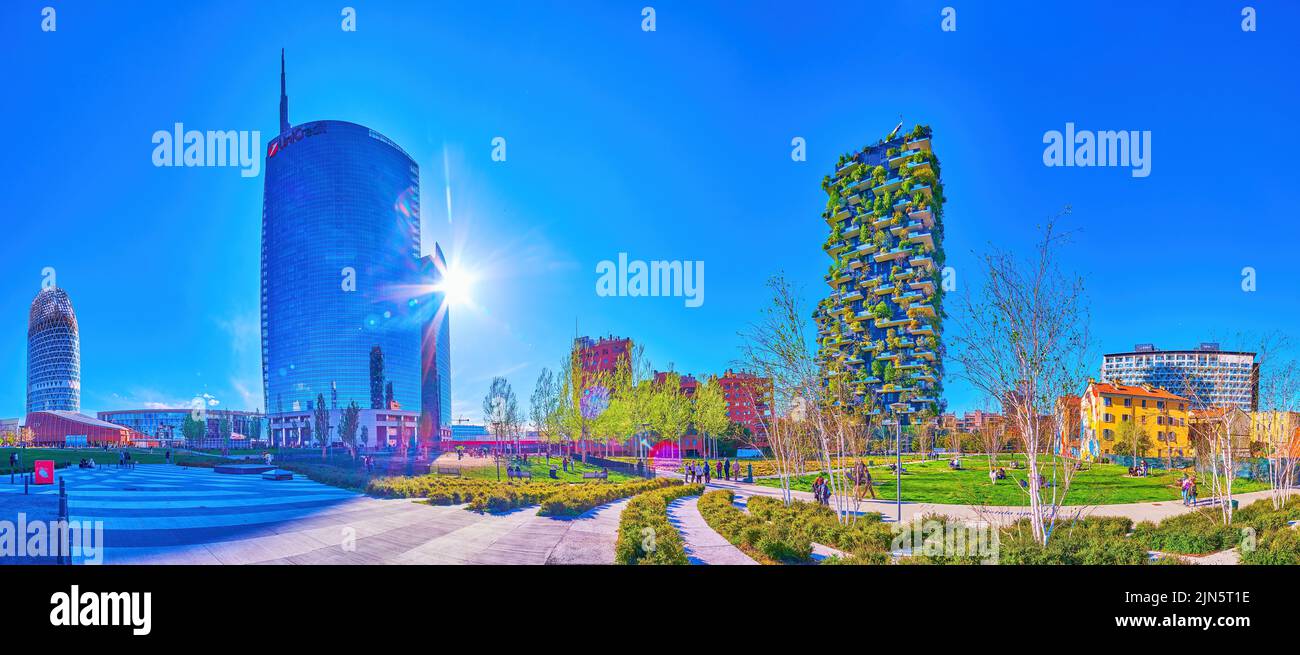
{"x":277,"y":474}
{"x":447,"y":470}
{"x":596,"y":475}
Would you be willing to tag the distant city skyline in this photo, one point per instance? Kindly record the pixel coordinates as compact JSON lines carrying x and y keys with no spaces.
{"x":671,"y":145}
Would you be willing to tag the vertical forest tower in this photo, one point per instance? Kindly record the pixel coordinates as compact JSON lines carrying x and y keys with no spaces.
{"x":879,"y":331}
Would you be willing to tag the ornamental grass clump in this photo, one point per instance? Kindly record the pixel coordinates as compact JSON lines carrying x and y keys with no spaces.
{"x":645,"y":535}
{"x":574,"y":499}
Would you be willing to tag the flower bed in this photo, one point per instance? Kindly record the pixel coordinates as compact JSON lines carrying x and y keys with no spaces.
{"x":644,"y":534}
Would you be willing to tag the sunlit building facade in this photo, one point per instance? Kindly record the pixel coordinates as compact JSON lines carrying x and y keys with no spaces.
{"x":1207,"y":375}
{"x":53,"y":354}
{"x":342,"y":272}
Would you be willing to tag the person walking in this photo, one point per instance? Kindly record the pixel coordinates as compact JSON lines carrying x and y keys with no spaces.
{"x":726,"y":469}
{"x":706,"y":473}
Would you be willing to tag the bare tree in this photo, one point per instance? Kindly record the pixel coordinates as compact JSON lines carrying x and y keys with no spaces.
{"x":1024,"y":341}
{"x":1277,"y":421}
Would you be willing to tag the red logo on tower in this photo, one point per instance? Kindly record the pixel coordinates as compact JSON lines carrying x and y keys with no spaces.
{"x":43,"y":471}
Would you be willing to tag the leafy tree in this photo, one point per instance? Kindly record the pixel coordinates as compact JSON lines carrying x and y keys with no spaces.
{"x":224,"y":430}
{"x":670,"y":409}
{"x":322,"y":431}
{"x":193,"y":429}
{"x":1131,"y":439}
{"x":348,"y":426}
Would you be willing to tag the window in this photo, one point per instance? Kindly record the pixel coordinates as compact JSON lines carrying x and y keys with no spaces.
{"x":1106,"y":401}
{"x":1128,"y":402}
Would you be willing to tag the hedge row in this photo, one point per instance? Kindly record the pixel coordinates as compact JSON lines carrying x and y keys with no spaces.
{"x":769,"y":539}
{"x":492,"y":496}
{"x":574,"y":499}
{"x":644,"y":534}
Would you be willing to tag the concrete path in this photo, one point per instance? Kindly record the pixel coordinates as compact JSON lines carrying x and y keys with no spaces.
{"x":1154,"y":511}
{"x":703,"y":544}
{"x":164,"y":514}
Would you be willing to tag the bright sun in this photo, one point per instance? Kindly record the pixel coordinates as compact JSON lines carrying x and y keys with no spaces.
{"x":458,"y":285}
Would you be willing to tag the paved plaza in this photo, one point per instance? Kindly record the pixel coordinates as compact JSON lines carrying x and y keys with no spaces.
{"x":165,"y":514}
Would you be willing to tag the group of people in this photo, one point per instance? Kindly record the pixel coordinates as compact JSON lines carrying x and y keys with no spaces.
{"x":821,"y":491}
{"x":1188,"y":486}
{"x":996,"y":474}
{"x":702,"y":472}
{"x":1139,"y":471}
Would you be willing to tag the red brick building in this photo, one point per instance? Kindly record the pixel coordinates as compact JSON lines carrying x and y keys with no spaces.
{"x":749,"y":402}
{"x":601,"y":356}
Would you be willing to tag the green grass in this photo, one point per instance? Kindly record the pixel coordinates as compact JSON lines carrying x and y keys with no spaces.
{"x":73,"y":456}
{"x":1101,"y":484}
{"x":541,"y":472}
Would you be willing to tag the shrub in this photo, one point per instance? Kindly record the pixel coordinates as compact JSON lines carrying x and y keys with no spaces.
{"x":1194,"y":533}
{"x":574,"y":499}
{"x":1277,"y":546}
{"x":767,"y":533}
{"x":650,"y":510}
{"x":1095,"y":540}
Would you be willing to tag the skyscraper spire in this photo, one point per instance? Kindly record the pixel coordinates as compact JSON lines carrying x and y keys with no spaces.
{"x":284,"y":99}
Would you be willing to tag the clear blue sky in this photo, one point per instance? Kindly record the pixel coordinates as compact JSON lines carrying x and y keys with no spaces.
{"x":666,"y":145}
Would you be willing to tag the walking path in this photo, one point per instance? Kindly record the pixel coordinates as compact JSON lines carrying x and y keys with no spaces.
{"x":703,"y":544}
{"x":164,"y":514}
{"x":1153,"y":511}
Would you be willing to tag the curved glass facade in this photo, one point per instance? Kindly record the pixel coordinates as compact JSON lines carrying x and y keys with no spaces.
{"x":341,"y":268}
{"x":53,"y":354}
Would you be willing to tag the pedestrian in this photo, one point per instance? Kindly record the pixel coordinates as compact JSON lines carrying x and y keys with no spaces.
{"x":706,"y":473}
{"x":726,"y":469}
{"x":1191,"y":490}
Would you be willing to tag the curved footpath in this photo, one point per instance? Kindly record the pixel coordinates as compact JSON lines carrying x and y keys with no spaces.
{"x":1153,"y":511}
{"x":703,"y":544}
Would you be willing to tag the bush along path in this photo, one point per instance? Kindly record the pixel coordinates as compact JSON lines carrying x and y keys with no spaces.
{"x":703,"y":544}
{"x":645,"y":535}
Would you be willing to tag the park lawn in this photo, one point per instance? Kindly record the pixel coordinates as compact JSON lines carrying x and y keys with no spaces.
{"x":767,"y":466}
{"x":541,"y":472}
{"x":73,"y":456}
{"x":1101,"y":484}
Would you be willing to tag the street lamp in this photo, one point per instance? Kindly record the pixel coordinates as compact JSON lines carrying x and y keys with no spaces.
{"x":899,"y":410}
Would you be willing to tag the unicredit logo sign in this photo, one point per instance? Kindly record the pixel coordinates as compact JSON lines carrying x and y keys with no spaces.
{"x":293,"y":136}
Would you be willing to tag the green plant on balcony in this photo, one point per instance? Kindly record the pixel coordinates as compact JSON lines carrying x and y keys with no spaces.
{"x":879,"y":174}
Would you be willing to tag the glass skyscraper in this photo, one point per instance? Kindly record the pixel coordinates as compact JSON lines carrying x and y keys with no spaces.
{"x":341,"y":267}
{"x":53,"y":354}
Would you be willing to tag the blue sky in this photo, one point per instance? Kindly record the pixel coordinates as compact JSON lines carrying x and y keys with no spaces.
{"x":673,"y":144}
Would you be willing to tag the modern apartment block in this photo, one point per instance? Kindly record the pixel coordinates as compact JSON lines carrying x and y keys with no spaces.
{"x":601,"y":356}
{"x":1207,"y":376}
{"x":879,"y":330}
{"x":749,"y":402}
